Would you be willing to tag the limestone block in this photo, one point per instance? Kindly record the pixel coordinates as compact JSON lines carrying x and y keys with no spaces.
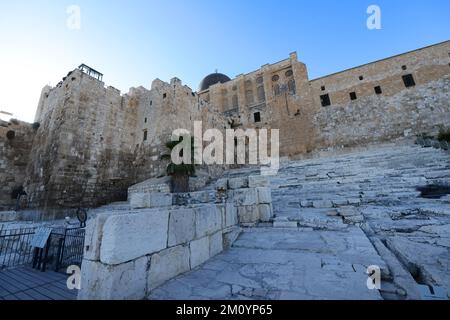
{"x":230,"y":235}
{"x":248,"y":214}
{"x":348,"y":211}
{"x":285,"y":224}
{"x":222,"y":184}
{"x":238,"y":183}
{"x":129,"y":236}
{"x":257,"y":181}
{"x":322,"y":204}
{"x":215,"y":244}
{"x":208,"y":219}
{"x":167,"y":264}
{"x":265,"y":212}
{"x":306,"y":204}
{"x":93,"y":237}
{"x":354,"y":219}
{"x":264,"y":195}
{"x":354,"y":201}
{"x":231,"y":215}
{"x":199,"y":250}
{"x":150,"y":200}
{"x":244,"y":197}
{"x":125,"y":281}
{"x":181,"y":226}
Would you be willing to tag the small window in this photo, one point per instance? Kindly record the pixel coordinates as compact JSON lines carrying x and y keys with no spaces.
{"x":352,"y":95}
{"x":404,"y":68}
{"x":325,"y":100}
{"x":145,"y":120}
{"x":151,"y":102}
{"x":164,"y":95}
{"x":275,"y":78}
{"x":322,"y":88}
{"x":289,"y":73}
{"x":408,"y":80}
{"x":257,"y":117}
{"x":378,"y":90}
{"x":361,"y":78}
{"x":145,"y":135}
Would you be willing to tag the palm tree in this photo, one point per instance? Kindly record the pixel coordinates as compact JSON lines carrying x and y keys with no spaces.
{"x":179,"y":173}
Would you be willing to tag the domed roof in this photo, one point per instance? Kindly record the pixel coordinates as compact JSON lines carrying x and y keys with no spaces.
{"x":212,"y":79}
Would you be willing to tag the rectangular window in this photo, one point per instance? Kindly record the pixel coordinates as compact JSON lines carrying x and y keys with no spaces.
{"x":352,"y":95}
{"x":257,"y":117}
{"x":145,"y":135}
{"x":408,"y":80}
{"x":325,"y":100}
{"x":378,"y":90}
{"x":164,"y":95}
{"x":145,"y":120}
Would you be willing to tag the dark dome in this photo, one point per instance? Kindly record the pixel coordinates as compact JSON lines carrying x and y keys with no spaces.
{"x":212,"y":79}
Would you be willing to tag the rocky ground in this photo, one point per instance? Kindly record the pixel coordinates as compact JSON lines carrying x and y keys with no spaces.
{"x":334,"y":217}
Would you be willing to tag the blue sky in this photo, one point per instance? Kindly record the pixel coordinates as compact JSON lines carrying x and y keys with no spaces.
{"x":134,"y":42}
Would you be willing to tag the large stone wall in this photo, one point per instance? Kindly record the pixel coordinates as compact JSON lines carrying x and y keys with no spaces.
{"x":84,"y":145}
{"x":16,"y":138}
{"x":93,"y":143}
{"x":424,"y":109}
{"x":305,"y":125}
{"x":129,"y":254}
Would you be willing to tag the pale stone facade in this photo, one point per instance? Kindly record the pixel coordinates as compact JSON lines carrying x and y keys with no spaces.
{"x":94,"y":142}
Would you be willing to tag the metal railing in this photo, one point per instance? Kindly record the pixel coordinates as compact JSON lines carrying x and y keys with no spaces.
{"x":64,"y":247}
{"x":15,"y":248}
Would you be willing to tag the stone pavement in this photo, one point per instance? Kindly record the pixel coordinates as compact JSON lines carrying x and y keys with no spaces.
{"x":283,"y":264}
{"x":334,"y":217}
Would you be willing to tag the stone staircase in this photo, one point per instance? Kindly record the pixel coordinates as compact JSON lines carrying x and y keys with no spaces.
{"x":376,"y":190}
{"x":324,"y":192}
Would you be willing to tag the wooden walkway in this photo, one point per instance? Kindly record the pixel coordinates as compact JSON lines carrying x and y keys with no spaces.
{"x":24,"y":283}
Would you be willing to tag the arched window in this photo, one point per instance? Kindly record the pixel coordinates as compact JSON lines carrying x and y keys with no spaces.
{"x":261,"y":94}
{"x":225,"y":103}
{"x":249,"y":97}
{"x":291,"y":86}
{"x":276,"y":89}
{"x":234,"y":101}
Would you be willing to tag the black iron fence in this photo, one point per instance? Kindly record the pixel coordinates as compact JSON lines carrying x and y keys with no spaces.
{"x":64,"y":248}
{"x":15,"y":248}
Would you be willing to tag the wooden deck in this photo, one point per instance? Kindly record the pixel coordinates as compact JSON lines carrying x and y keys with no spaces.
{"x":24,"y":283}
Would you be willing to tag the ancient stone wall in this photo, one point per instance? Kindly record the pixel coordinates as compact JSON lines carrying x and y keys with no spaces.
{"x":93,"y":142}
{"x":16,"y":138}
{"x":165,"y":235}
{"x":424,"y":109}
{"x":366,"y":103}
{"x":84,"y":145}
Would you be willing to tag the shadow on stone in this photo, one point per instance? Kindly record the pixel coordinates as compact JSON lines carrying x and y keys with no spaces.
{"x":433,"y":191}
